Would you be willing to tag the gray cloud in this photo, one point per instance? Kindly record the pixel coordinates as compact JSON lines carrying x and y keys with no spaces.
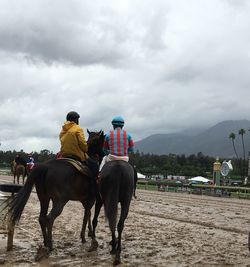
{"x":165,"y":66}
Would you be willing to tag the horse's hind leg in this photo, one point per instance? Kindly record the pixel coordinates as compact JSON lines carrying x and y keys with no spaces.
{"x":98,"y":205}
{"x":120,"y":226}
{"x":113,"y":242}
{"x":24,"y":176}
{"x":135,"y":182}
{"x":90,"y":228}
{"x":112,"y":226}
{"x":86,"y":219}
{"x":43,"y":220}
{"x":54,"y":213}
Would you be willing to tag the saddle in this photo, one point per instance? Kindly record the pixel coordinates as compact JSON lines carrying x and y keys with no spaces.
{"x":84,"y":169}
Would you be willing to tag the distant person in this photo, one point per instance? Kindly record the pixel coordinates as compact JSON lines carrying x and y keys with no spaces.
{"x":19,"y":160}
{"x":30,"y":162}
{"x":118,"y":143}
{"x":73,"y":142}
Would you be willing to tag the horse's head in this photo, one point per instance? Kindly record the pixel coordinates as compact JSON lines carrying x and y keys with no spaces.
{"x":95,"y":144}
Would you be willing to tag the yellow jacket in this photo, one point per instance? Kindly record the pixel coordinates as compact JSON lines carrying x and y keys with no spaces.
{"x":73,"y":141}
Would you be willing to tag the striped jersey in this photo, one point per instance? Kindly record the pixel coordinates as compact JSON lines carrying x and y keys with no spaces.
{"x":118,"y":142}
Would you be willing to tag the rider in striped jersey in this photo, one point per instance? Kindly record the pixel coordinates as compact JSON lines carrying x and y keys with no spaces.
{"x":118,"y":143}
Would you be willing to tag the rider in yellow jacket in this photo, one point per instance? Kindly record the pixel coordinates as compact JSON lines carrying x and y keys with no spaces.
{"x":73,"y":142}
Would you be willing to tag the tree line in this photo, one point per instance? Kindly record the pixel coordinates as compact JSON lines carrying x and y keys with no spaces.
{"x":148,"y":164}
{"x":180,"y":165}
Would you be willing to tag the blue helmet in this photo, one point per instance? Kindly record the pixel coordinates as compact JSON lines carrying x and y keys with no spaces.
{"x":118,"y":121}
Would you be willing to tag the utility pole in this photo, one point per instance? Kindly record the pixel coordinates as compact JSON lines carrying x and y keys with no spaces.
{"x":216,"y":172}
{"x":248,"y":170}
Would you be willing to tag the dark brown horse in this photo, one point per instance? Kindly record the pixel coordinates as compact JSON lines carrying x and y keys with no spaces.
{"x":116,"y":186}
{"x":58,"y":181}
{"x":19,"y":171}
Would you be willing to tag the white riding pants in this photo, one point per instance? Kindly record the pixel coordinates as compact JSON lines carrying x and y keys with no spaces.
{"x":110,"y":157}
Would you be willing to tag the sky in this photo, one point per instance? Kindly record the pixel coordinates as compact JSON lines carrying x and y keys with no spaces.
{"x":165,"y":66}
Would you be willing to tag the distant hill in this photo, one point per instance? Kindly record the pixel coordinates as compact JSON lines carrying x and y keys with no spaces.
{"x":214,"y":141}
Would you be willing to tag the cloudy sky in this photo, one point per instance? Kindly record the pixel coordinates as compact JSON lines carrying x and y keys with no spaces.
{"x":165,"y":66}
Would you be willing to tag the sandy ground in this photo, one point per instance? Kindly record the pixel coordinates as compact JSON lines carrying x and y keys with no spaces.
{"x":162,"y":229}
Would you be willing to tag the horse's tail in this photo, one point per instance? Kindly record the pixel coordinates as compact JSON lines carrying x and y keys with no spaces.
{"x":19,"y":201}
{"x":111,"y":208}
{"x":111,"y":201}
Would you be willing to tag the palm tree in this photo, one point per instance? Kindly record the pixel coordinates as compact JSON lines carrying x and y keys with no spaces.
{"x":232,"y":137}
{"x":242,"y":132}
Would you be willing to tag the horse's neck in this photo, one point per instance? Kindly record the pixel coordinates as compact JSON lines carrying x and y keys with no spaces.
{"x":95,"y":146}
{"x":95,"y":156}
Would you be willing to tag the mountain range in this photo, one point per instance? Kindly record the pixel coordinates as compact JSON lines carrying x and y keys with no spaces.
{"x":213,"y":141}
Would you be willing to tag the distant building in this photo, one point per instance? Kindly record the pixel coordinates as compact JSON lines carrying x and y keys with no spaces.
{"x":176,"y":177}
{"x":168,"y":177}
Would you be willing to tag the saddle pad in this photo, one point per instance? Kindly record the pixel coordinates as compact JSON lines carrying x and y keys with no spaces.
{"x":78,"y":165}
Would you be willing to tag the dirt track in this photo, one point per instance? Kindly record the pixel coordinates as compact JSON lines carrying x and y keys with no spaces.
{"x":162,"y":229}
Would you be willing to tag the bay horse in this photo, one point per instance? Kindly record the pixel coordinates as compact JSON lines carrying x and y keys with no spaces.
{"x":19,"y":171}
{"x":116,"y":186}
{"x":58,"y":181}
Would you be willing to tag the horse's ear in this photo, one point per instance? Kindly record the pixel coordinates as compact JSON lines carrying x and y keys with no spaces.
{"x":88,"y":131}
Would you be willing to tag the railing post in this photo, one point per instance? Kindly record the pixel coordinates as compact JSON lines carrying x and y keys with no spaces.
{"x":5,"y":225}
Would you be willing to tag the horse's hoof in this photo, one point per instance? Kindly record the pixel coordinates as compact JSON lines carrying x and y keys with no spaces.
{"x":42,"y":253}
{"x":94,"y":246}
{"x":117,"y":261}
{"x":83,"y":240}
{"x":50,"y":247}
{"x":113,"y":251}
